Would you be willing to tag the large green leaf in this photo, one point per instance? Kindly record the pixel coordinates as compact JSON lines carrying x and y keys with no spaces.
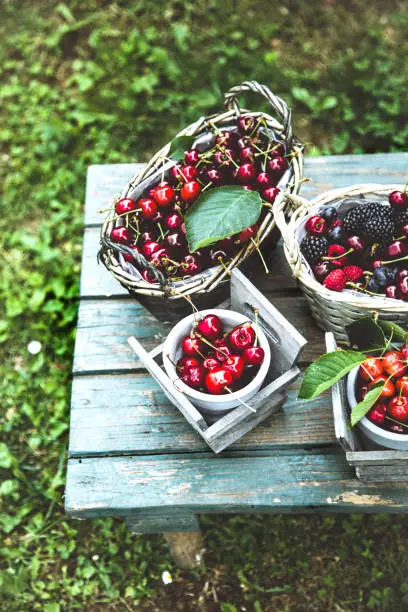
{"x":327,"y":370}
{"x":367,"y":335}
{"x":219,"y":213}
{"x":179,"y":145}
{"x":368,"y":402}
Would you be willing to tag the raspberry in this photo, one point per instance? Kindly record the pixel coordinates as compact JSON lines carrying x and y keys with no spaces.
{"x":335,"y":280}
{"x":371,"y":219}
{"x":314,"y":248}
{"x":335,"y":250}
{"x":353,"y":273}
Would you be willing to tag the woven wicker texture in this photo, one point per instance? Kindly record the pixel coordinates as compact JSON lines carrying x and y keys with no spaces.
{"x":332,"y":310}
{"x":208,"y":280}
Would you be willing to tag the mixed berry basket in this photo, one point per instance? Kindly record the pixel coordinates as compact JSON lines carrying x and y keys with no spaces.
{"x":151,"y":240}
{"x":348,"y":249}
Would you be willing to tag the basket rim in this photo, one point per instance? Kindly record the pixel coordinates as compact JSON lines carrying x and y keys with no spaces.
{"x":297,"y":261}
{"x":202,"y":282}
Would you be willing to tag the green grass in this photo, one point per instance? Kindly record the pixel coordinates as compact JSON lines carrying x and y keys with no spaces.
{"x":106,"y":82}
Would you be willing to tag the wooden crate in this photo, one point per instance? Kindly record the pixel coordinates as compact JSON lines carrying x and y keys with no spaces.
{"x":371,"y":462}
{"x":286,"y":344}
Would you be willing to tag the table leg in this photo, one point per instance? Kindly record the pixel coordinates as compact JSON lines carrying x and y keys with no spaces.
{"x":186,"y":548}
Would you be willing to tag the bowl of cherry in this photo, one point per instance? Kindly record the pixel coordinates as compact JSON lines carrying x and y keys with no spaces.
{"x":386,"y":423}
{"x":218,"y":358}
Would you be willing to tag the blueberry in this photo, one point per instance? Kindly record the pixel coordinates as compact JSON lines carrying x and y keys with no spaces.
{"x":381,"y":277}
{"x":336,"y":235}
{"x":374,"y":287}
{"x":329,"y":214}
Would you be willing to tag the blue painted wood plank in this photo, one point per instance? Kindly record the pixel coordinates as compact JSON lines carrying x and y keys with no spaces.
{"x":259,"y":482}
{"x":129,"y":414}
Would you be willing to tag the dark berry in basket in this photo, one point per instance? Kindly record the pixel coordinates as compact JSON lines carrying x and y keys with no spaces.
{"x":381,"y":277}
{"x":314,"y":248}
{"x":401,"y":219}
{"x":373,"y":287}
{"x":329,"y":214}
{"x":316,"y":226}
{"x":211,"y":327}
{"x":270,"y":194}
{"x":336,"y":234}
{"x":335,"y":280}
{"x":246,"y":125}
{"x":123,"y":235}
{"x":321,"y":270}
{"x":398,"y":199}
{"x":125,"y":205}
{"x":371,"y":219}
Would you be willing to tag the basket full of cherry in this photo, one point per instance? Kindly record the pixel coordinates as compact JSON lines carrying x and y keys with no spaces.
{"x":227,"y":369}
{"x":203,"y":203}
{"x":348,"y":248}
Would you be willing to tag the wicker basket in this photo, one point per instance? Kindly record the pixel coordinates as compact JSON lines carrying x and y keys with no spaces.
{"x":212,"y":278}
{"x":332,"y":310}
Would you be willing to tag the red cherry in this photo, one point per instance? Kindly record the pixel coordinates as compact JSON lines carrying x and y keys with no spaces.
{"x":398,"y":248}
{"x":148,"y":276}
{"x":370,"y":369}
{"x":211,"y":327}
{"x":190,"y":265}
{"x":158,"y":218}
{"x":388,"y":390}
{"x":404,"y":353}
{"x":247,"y":154}
{"x":223,"y":352}
{"x":173,"y":221}
{"x":355,"y":242}
{"x":196,"y":376}
{"x":277,"y":166}
{"x":316,"y":226}
{"x":321,"y":270}
{"x":217,"y":380}
{"x":401,"y":385}
{"x":175,"y":240}
{"x":211,"y":363}
{"x":245,"y":235}
{"x":192,"y":346}
{"x":175,"y":172}
{"x":402,"y":288}
{"x":363,"y":391}
{"x":264,"y":180}
{"x":253,"y":355}
{"x":148,"y":207}
{"x":241,"y":337}
{"x":398,"y":408}
{"x":147,"y":237}
{"x":164,"y":195}
{"x":402,"y":274}
{"x":123,"y":235}
{"x":243,"y":142}
{"x":149,"y":248}
{"x":125,"y":205}
{"x":159,"y":258}
{"x":190,"y":191}
{"x":391,"y":292}
{"x":245,"y":173}
{"x":246,"y":124}
{"x":398,"y":199}
{"x":214,"y":176}
{"x":184,"y":363}
{"x":270,"y":194}
{"x":278,"y":150}
{"x":235,"y":364}
{"x":393,"y":364}
{"x":249,"y":187}
{"x":127,"y":256}
{"x":225,"y":139}
{"x":192,"y":156}
{"x":377,"y":413}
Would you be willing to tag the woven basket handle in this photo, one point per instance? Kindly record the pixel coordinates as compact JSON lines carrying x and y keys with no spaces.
{"x":279,"y":106}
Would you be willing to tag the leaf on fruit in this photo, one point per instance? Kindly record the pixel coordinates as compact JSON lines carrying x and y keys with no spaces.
{"x":219,"y":213}
{"x":327,"y":370}
{"x":361,"y":409}
{"x":179,"y":145}
{"x":367,"y":335}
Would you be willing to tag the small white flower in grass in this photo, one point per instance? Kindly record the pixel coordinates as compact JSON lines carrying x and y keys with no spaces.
{"x":34,"y":347}
{"x":95,"y":557}
{"x":166,"y":577}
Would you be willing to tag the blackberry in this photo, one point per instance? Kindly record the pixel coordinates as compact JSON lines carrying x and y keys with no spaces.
{"x":401,"y":219}
{"x":372,"y":220}
{"x":314,"y":248}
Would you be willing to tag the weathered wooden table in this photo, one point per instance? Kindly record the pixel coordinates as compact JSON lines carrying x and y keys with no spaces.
{"x":132,"y":454}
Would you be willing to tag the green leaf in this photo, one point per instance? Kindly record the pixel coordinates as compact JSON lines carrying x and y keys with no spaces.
{"x":327,"y":370}
{"x":367,"y":335}
{"x":219,"y":213}
{"x":368,"y":402}
{"x":179,"y":145}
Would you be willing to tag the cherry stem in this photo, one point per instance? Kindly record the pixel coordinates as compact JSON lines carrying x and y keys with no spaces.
{"x":385,"y":263}
{"x":222,"y":264}
{"x":256,"y":313}
{"x":395,"y":421}
{"x":240,"y":400}
{"x":338,"y":256}
{"x":362,"y":290}
{"x":215,"y":348}
{"x":206,"y":186}
{"x":260,"y":255}
{"x":366,"y":371}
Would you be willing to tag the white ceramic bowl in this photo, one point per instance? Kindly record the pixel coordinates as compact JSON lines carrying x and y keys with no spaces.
{"x":376,"y":434}
{"x":212,"y":404}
